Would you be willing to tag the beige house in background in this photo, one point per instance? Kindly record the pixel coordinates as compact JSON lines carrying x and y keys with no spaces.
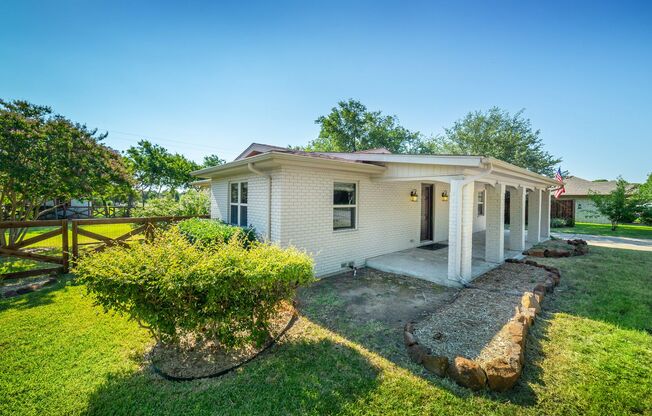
{"x":576,"y":203}
{"x":435,"y":217}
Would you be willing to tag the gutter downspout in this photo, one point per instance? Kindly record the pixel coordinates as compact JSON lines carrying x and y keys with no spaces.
{"x":252,"y":169}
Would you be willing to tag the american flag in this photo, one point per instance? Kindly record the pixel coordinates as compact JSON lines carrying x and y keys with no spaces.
{"x":560,"y":179}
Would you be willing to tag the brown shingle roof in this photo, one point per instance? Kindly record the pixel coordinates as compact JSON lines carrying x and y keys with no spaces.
{"x":578,"y":186}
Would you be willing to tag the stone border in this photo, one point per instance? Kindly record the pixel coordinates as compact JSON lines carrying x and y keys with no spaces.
{"x":580,"y":248}
{"x":33,"y":287}
{"x":501,"y":373}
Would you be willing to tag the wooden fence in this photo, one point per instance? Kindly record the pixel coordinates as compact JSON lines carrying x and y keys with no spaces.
{"x":87,"y":234}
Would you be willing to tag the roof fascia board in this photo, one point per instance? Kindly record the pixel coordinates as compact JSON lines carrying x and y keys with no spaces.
{"x":466,"y":161}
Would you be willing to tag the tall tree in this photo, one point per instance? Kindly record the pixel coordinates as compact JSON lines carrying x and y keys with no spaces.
{"x":350,"y":127}
{"x":46,"y":157}
{"x":212,"y":160}
{"x":501,"y":135}
{"x":156,"y":169}
{"x":620,"y":205}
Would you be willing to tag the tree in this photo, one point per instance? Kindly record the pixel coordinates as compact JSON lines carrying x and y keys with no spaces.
{"x":620,"y":206}
{"x":350,"y":127}
{"x":644,"y":197}
{"x":46,"y":157}
{"x":156,"y":169}
{"x":498,"y":134}
{"x":212,"y":160}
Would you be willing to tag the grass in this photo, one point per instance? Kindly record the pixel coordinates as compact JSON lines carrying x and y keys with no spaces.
{"x":623,"y":230}
{"x":588,"y":353}
{"x":52,"y":246}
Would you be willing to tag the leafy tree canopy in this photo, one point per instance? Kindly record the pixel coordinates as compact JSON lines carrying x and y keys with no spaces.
{"x":350,"y":127}
{"x":212,"y":160}
{"x":501,"y":135}
{"x":44,"y":156}
{"x":156,"y":169}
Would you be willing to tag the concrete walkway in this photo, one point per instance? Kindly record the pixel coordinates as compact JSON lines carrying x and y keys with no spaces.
{"x":626,"y":243}
{"x":433,"y":265}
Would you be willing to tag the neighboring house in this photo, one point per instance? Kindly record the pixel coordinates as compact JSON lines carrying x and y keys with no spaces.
{"x":345,"y":208}
{"x":576,"y":202}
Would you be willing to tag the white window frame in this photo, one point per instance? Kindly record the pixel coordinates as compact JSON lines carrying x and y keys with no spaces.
{"x":354,"y":206}
{"x":481,"y":203}
{"x":239,"y":203}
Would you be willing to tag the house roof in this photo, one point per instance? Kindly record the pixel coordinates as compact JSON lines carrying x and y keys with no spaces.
{"x":580,"y":187}
{"x":371,"y":161}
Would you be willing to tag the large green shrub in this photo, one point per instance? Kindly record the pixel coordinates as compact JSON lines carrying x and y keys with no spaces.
{"x":208,"y":232}
{"x":222,"y":292}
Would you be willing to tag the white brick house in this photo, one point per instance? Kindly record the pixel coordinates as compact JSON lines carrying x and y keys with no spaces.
{"x":345,"y":208}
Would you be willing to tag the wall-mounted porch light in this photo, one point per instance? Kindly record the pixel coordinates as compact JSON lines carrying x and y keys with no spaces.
{"x":444,"y":196}
{"x":414,"y":197}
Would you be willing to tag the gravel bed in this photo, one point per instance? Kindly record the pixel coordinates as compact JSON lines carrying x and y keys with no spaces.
{"x":470,"y":325}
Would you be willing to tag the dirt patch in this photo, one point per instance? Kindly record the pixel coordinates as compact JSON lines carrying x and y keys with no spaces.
{"x":202,"y":358}
{"x":470,"y":326}
{"x":372,"y":307}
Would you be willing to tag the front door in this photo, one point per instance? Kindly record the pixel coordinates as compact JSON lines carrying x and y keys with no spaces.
{"x":426,"y":212}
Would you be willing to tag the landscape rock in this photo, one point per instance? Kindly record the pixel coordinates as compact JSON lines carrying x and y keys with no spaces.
{"x":555,"y":278}
{"x":417,"y":353}
{"x":436,"y":364}
{"x":536,"y":252}
{"x":517,"y":332}
{"x":502,"y":372}
{"x":528,"y":300}
{"x":10,"y":293}
{"x":23,"y":290}
{"x":527,"y":314}
{"x":531,"y":263}
{"x":540,"y":289}
{"x":549,"y":285}
{"x":409,"y":338}
{"x":467,"y":373}
{"x":553,"y":270}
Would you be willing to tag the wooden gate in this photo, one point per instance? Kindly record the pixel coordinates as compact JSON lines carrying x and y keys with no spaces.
{"x":22,"y":249}
{"x":141,"y":229}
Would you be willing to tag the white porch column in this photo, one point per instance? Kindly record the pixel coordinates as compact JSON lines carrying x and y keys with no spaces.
{"x":534,"y":216}
{"x":544,"y":232}
{"x":454,"y":230}
{"x":466,"y":255}
{"x":517,"y":219}
{"x":460,"y":230}
{"x":495,"y":233}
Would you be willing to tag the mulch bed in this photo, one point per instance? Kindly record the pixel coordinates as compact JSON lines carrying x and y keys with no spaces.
{"x":470,"y":325}
{"x":201,"y":359}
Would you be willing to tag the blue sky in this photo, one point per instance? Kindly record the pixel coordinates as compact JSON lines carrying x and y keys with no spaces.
{"x":209,"y":77}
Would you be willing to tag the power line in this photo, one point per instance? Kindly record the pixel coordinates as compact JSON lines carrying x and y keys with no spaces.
{"x":163,"y":139}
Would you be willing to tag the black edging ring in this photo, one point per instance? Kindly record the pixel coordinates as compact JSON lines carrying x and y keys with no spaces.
{"x":168,"y":377}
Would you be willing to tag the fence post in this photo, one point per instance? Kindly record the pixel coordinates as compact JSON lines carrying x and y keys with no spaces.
{"x":64,"y":245}
{"x":75,"y":240}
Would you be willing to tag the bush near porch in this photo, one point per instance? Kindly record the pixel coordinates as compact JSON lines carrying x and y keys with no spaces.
{"x":224,"y":291}
{"x":587,"y":354}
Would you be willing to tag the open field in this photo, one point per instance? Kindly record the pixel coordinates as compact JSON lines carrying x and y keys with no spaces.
{"x":588,"y":353}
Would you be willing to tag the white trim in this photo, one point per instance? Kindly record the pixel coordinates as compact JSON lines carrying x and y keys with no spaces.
{"x":356,"y":185}
{"x":239,"y":202}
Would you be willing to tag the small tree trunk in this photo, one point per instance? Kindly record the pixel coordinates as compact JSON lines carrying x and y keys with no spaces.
{"x":614,"y":225}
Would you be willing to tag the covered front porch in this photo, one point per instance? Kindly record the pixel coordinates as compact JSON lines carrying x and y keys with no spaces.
{"x":432,"y":264}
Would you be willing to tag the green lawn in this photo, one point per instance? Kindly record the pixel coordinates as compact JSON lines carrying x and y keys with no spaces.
{"x":52,"y":246}
{"x":623,"y":230}
{"x":589,"y":353}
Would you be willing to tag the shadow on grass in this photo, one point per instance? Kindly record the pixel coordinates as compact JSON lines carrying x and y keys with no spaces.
{"x":296,"y":377}
{"x":41,"y":297}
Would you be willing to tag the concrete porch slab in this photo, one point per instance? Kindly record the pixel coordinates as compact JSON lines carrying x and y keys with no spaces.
{"x":433,"y":265}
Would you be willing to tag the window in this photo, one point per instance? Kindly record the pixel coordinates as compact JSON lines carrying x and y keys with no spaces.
{"x":480,"y":203}
{"x":238,"y":202}
{"x":344,"y":206}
